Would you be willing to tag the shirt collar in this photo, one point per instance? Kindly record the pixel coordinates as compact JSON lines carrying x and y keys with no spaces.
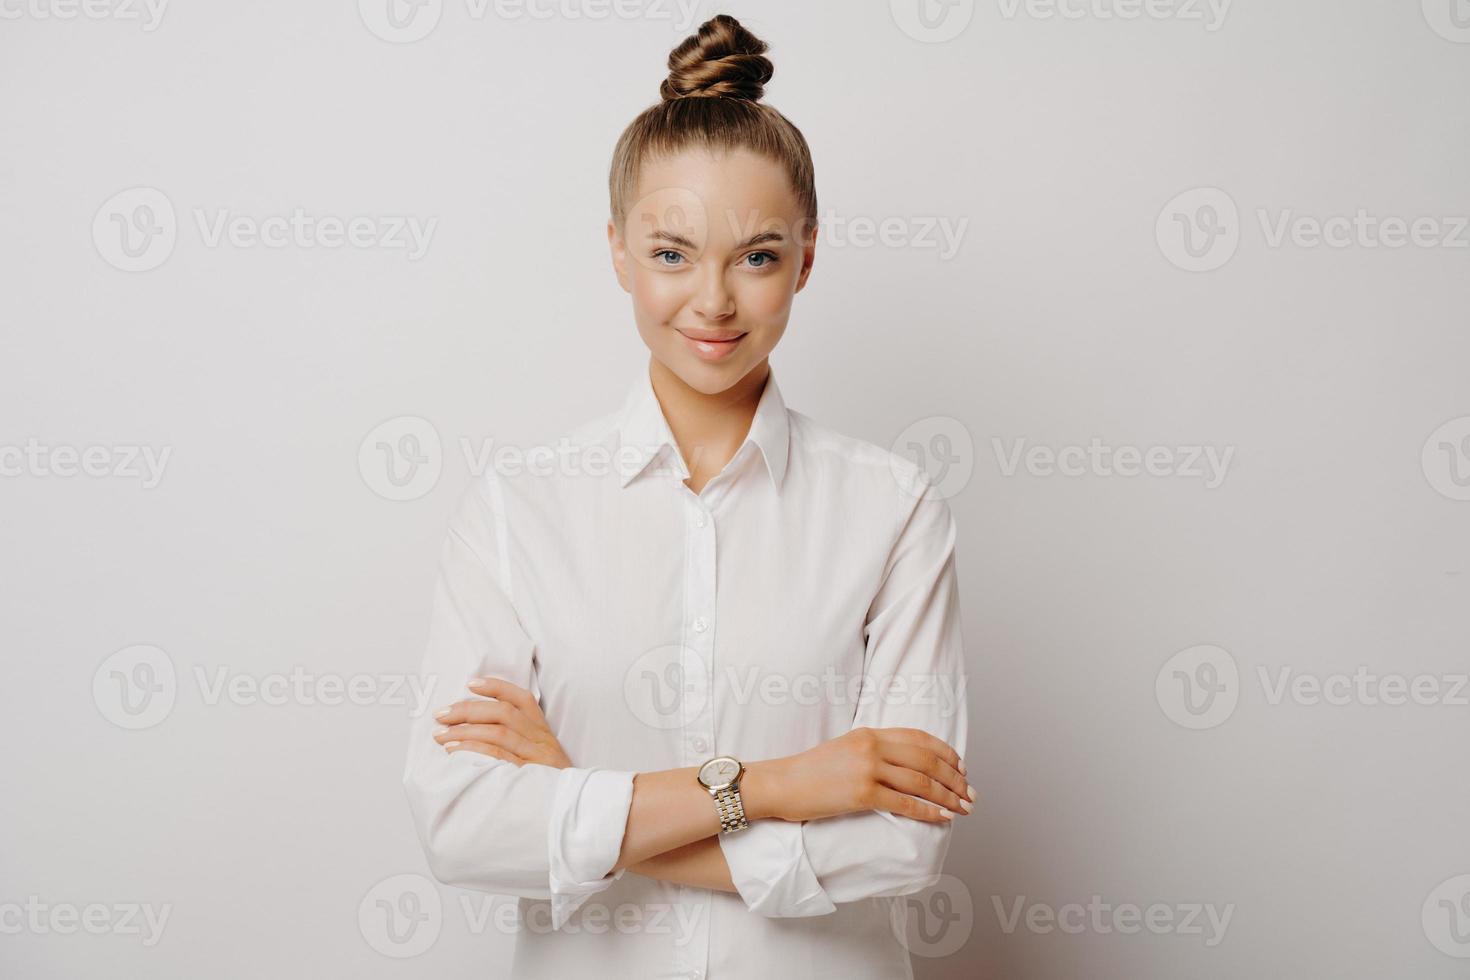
{"x":644,"y":434}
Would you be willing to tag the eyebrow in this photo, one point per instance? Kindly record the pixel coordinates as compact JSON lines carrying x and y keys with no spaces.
{"x":759,"y":238}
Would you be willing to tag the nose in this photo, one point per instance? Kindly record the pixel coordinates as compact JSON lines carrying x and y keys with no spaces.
{"x":712,"y":297}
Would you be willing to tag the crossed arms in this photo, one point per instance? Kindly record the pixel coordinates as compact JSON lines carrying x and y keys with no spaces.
{"x":505,"y":810}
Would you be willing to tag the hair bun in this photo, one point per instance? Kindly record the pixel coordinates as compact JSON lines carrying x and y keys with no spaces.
{"x":722,"y":59}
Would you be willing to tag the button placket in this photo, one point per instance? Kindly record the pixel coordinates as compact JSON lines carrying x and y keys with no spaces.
{"x":699,"y":603}
{"x":698,"y":732}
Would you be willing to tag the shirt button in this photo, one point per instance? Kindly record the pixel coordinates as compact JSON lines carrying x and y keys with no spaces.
{"x":700,"y":625}
{"x":699,"y":520}
{"x":699,"y":744}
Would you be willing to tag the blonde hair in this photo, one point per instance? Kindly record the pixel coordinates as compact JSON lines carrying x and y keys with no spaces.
{"x":711,"y":100}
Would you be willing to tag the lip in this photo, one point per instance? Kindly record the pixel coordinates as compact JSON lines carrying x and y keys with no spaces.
{"x":711,"y":347}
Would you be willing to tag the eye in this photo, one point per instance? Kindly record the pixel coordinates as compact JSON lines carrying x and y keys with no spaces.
{"x":667,"y":251}
{"x":771,"y":259}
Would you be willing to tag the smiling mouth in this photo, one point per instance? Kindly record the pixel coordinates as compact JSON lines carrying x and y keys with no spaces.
{"x":712,"y":340}
{"x":712,"y":350}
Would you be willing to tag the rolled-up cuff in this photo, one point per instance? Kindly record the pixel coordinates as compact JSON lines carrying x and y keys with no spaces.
{"x":589,"y":815}
{"x":769,"y":867}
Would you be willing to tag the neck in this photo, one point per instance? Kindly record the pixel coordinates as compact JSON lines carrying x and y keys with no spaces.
{"x":708,"y":428}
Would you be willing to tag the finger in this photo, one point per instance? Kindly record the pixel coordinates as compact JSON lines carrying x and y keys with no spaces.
{"x":921,"y":738}
{"x":496,"y":687}
{"x":926,"y":762}
{"x":498,"y":735}
{"x":906,"y":806}
{"x":906,"y":780}
{"x":494,"y":751}
{"x":481,"y":712}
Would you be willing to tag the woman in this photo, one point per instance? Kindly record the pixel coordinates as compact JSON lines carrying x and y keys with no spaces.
{"x":715,"y":681}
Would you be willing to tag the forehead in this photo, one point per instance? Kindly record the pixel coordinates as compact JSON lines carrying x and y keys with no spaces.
{"x":722,"y":194}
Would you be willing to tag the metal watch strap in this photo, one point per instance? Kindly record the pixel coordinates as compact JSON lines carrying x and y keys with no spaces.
{"x":731,"y":809}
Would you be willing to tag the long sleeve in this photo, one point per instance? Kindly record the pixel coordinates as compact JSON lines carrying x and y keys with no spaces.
{"x":913,"y":642}
{"x":532,"y":831}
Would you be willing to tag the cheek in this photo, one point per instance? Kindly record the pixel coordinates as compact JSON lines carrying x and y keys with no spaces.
{"x":655,"y":297}
{"x":765,"y":298}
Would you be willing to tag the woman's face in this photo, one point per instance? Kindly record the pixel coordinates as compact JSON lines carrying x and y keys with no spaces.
{"x":712,"y":251}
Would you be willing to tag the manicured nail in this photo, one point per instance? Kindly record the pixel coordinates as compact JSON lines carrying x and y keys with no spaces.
{"x":440,"y":731}
{"x":946,"y":815}
{"x":476,"y":681}
{"x":442,"y":713}
{"x":451,"y":745}
{"x":971,"y":790}
{"x":968,"y":806}
{"x":962,"y":767}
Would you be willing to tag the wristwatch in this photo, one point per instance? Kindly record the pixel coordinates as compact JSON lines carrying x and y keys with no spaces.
{"x":721,"y":776}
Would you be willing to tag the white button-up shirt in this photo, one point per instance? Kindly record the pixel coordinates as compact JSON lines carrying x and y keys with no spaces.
{"x":808,"y":589}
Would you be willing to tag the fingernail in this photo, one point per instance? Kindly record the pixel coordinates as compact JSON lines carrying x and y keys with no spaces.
{"x":476,"y":681}
{"x":962,"y":767}
{"x":971,"y":790}
{"x":946,"y":815}
{"x":451,"y":745}
{"x":440,"y":731}
{"x":442,"y":713}
{"x":968,"y":806}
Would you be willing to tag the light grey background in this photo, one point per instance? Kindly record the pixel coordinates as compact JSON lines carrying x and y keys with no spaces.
{"x":1336,"y":377}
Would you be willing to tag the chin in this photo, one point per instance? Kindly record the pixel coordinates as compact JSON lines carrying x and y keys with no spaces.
{"x":704,"y":377}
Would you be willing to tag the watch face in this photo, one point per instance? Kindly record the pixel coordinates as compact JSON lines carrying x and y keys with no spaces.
{"x":720,"y":772}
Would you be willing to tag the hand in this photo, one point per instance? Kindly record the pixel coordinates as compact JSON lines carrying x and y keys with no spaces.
{"x":869,"y":769}
{"x":509,"y":727}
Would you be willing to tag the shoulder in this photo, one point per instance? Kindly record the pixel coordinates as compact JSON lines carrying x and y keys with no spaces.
{"x":878,"y":475}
